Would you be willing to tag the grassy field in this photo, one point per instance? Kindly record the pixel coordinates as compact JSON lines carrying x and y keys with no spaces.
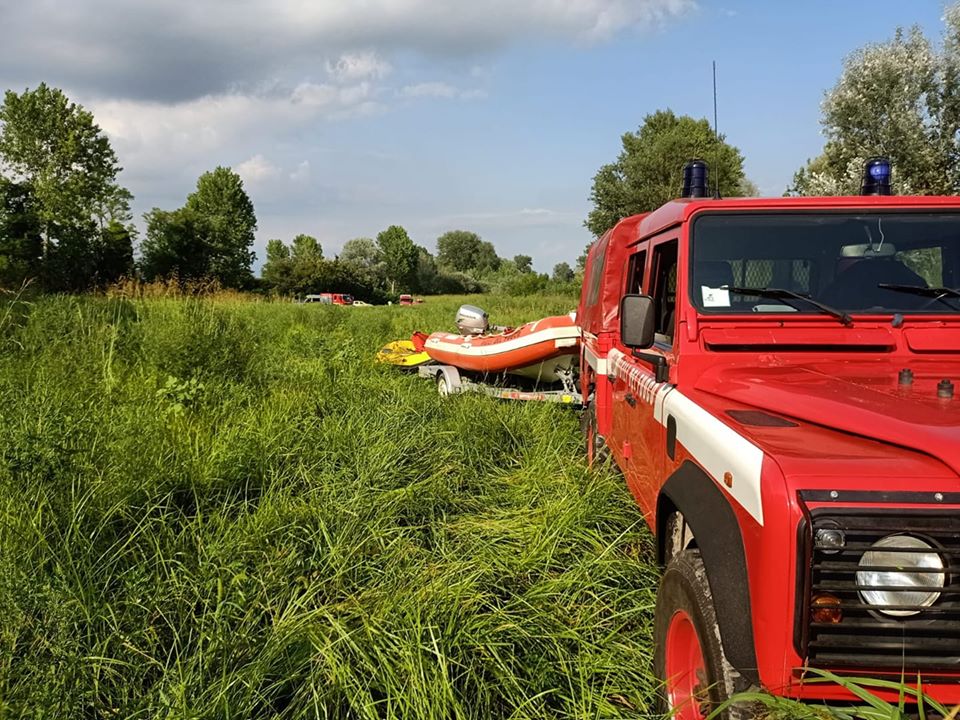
{"x":228,"y":510}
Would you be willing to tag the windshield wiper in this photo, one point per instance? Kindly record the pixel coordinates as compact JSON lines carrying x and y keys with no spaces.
{"x":784,"y":294}
{"x":937,"y":293}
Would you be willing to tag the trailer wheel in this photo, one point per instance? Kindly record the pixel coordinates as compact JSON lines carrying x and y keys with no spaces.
{"x":442,"y":388}
{"x":688,"y":655}
{"x":595,"y":445}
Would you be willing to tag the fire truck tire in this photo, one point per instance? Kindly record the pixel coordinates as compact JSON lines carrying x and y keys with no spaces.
{"x":688,"y":653}
{"x":596,"y":447}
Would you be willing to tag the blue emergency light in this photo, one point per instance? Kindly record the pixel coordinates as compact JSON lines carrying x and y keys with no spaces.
{"x":695,"y":179}
{"x":876,"y":177}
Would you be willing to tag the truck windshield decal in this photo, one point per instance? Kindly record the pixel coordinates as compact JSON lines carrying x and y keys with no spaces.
{"x":858,"y":262}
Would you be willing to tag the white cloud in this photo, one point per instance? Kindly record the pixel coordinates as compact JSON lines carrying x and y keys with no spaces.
{"x":429,"y":89}
{"x":256,"y":169}
{"x":439,"y":90}
{"x":174,"y":50}
{"x":351,"y":67}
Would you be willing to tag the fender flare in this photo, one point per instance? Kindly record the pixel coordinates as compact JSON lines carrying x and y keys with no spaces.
{"x":708,"y":513}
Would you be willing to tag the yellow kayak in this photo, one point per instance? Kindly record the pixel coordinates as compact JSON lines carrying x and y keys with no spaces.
{"x":402,"y":353}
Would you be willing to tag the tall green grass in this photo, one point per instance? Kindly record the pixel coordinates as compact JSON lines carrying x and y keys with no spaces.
{"x":228,"y":510}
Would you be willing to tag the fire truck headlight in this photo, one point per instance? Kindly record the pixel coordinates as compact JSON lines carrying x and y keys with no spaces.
{"x":898,"y":577}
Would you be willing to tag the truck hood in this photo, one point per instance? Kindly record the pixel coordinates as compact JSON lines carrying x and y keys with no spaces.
{"x":857,"y":398}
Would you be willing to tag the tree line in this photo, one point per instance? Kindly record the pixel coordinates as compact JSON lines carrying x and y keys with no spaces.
{"x":380,"y":268}
{"x":66,"y":224}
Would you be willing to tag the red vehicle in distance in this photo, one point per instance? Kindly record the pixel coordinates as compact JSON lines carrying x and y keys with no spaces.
{"x":775,"y":378}
{"x":330,"y":299}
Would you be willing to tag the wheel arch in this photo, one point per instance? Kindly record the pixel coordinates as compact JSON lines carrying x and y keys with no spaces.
{"x":451,"y":376}
{"x":707,"y":512}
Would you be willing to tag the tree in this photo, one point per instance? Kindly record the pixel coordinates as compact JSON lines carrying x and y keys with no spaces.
{"x":229,"y":222}
{"x":306,"y":247}
{"x":278,"y":268}
{"x":649,"y":169}
{"x":399,"y":255}
{"x":21,"y":243}
{"x":900,"y":99}
{"x":361,"y":252}
{"x":524,"y":263}
{"x":175,"y":246}
{"x":276,"y":251}
{"x":426,"y":272}
{"x":463,"y":250}
{"x":53,"y":146}
{"x":562,"y":273}
{"x":113,"y":253}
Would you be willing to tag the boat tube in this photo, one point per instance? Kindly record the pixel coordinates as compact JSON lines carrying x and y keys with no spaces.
{"x":543,"y":350}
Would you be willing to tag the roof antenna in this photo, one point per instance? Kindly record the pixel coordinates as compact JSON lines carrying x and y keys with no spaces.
{"x":716,"y":133}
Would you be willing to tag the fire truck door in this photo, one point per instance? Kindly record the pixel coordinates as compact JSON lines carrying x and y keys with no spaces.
{"x":644,"y":433}
{"x":637,"y":434}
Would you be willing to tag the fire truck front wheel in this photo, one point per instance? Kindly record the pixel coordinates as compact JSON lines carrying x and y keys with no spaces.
{"x":689,"y":657}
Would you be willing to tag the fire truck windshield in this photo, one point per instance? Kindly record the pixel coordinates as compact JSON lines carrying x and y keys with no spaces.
{"x":840,"y":263}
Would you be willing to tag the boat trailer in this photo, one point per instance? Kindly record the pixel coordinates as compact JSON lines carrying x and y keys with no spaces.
{"x":451,"y":380}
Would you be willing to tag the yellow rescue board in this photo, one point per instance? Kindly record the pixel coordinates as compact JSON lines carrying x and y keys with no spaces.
{"x":403,"y":353}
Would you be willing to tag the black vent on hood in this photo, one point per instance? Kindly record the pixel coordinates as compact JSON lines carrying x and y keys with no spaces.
{"x":759,"y":418}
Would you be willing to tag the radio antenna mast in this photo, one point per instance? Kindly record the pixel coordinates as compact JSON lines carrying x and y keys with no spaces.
{"x":716,"y":133}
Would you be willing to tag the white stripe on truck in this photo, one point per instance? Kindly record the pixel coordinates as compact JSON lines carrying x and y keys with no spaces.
{"x":717,"y":447}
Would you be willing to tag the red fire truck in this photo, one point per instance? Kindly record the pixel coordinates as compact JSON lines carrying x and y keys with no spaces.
{"x":775,"y":379}
{"x":330,"y":299}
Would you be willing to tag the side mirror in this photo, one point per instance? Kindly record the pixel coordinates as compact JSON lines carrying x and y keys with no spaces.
{"x":637,"y":321}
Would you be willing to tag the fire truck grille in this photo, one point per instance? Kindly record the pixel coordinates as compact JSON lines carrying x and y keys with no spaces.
{"x":923,"y":635}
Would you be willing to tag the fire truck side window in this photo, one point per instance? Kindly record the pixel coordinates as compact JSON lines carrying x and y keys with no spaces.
{"x":638,"y":263}
{"x":664,"y":289}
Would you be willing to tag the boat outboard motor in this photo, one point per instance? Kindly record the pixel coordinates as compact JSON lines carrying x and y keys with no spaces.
{"x":471,"y":320}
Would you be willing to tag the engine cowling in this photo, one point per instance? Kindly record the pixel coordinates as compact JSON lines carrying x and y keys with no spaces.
{"x":471,"y":320}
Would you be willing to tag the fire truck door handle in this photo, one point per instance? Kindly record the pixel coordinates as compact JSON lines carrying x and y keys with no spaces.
{"x":631,"y":400}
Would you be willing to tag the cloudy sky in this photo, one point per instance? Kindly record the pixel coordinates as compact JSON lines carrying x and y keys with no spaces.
{"x":346,"y":116}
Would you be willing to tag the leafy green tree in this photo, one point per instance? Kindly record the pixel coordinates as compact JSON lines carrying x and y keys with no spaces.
{"x":456,"y":249}
{"x":426,"y":272}
{"x":54,"y":147}
{"x":562,"y":273}
{"x":175,"y":245}
{"x":649,"y":169}
{"x":463,"y":250}
{"x":400,"y":257}
{"x":113,"y":253}
{"x":21,"y":244}
{"x":486,"y":259}
{"x":901,"y":99}
{"x":524,"y":263}
{"x":306,"y":247}
{"x":361,"y":252}
{"x":277,"y":250}
{"x":229,"y":222}
{"x":278,"y":268}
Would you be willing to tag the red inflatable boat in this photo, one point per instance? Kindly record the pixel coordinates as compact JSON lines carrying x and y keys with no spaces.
{"x":538,"y":349}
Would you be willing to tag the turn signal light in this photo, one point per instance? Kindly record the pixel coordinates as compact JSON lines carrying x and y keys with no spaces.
{"x":826,"y":608}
